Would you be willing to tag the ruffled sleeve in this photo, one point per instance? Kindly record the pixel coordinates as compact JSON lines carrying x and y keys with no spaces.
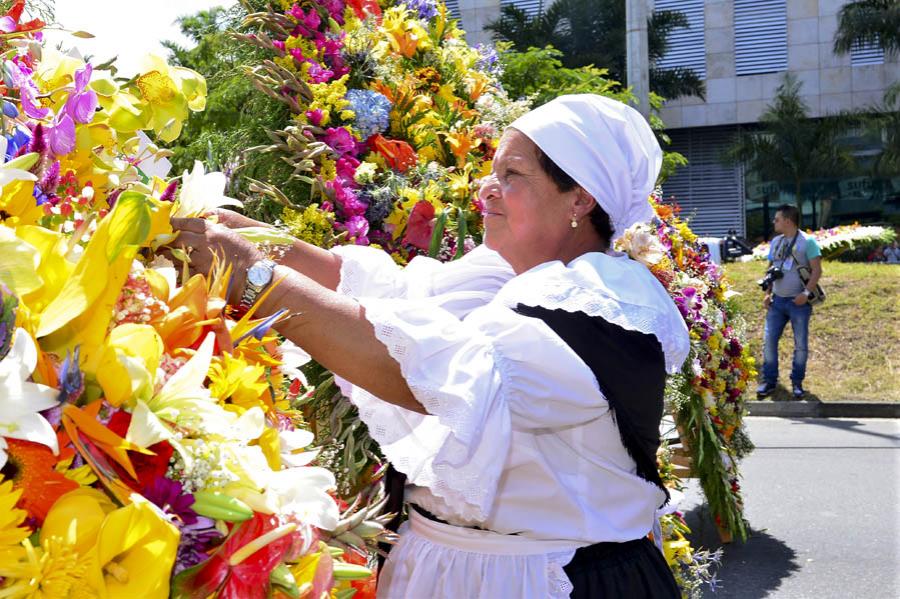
{"x":478,"y":379}
{"x":463,"y":284}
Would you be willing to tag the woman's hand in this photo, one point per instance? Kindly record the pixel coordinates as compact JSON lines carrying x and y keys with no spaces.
{"x":200,"y":239}
{"x":233,"y":220}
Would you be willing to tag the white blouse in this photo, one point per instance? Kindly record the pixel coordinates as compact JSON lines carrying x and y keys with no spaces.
{"x":518,"y":438}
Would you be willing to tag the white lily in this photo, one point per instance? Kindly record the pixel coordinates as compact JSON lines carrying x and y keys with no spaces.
{"x":21,"y":400}
{"x":304,"y":493}
{"x":292,"y":358}
{"x":291,"y":442}
{"x":202,"y":192}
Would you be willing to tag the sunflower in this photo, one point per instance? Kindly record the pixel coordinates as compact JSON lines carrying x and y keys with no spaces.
{"x":31,"y":469}
{"x":11,"y":530}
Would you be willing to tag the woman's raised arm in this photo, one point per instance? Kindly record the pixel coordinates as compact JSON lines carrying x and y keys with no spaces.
{"x":320,"y":265}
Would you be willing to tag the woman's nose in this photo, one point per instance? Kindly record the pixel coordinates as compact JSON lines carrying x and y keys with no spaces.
{"x":489,"y":188}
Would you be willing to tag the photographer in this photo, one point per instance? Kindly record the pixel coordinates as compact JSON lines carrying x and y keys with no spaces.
{"x":787,"y":297}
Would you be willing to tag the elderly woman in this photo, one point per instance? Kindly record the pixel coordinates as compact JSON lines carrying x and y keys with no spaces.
{"x":519,"y":389}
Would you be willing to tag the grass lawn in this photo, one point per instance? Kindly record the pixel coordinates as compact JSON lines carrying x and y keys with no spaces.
{"x":854,"y":338}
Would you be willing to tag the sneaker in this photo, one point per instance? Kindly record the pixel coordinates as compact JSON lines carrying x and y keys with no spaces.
{"x":765,"y":390}
{"x":798,"y":390}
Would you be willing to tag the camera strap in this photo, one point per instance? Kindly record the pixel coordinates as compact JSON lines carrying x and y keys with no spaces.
{"x":790,"y":248}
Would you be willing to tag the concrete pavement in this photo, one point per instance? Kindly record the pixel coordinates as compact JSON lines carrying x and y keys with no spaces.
{"x":823,"y":500}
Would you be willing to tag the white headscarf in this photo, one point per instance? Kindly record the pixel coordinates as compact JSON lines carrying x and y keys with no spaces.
{"x":606,"y":146}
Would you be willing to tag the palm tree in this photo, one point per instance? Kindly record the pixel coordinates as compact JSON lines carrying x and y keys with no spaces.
{"x":592,"y":32}
{"x":868,"y":22}
{"x":792,"y":149}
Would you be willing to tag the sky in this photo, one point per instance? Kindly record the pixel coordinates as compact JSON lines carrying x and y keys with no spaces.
{"x":127,"y":28}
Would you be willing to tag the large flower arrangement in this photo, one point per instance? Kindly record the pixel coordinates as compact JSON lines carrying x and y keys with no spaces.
{"x":838,"y":242}
{"x":707,"y":398}
{"x":394,"y":117}
{"x":149,"y":438}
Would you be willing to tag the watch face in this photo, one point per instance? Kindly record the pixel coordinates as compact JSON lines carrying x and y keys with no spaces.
{"x":259,"y":275}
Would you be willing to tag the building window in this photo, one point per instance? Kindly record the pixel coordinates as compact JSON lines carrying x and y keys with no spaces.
{"x":760,"y":36}
{"x":531,"y":7}
{"x":453,"y":8}
{"x":864,"y":53}
{"x":687,"y":46}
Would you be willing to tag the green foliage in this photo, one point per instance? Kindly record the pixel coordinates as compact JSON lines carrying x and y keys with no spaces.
{"x":539,"y":75}
{"x":868,"y":22}
{"x":791,"y":148}
{"x":884,"y":120}
{"x":592,"y":32}
{"x":237,"y":116}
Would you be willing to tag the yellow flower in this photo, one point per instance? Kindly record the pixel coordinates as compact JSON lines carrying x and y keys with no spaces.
{"x":126,"y":552}
{"x":83,"y":475}
{"x":53,"y":569}
{"x":11,"y":530}
{"x":233,"y":379}
{"x":17,"y":204}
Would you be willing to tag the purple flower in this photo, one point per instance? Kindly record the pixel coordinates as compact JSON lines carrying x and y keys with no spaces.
{"x":357,"y":227}
{"x":195,"y":544}
{"x":319,"y":74}
{"x":62,"y":135}
{"x":71,"y":380}
{"x":81,"y":103}
{"x":169,"y":496}
{"x":427,"y":9}
{"x":169,"y":193}
{"x":340,"y":140}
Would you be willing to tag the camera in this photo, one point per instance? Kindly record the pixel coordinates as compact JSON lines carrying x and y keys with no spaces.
{"x":772,"y":274}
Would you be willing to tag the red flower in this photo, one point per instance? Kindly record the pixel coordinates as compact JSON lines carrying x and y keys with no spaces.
{"x":148,"y":467}
{"x":10,"y":22}
{"x":399,"y":155}
{"x":248,"y":578}
{"x":420,"y":226}
{"x":366,"y":7}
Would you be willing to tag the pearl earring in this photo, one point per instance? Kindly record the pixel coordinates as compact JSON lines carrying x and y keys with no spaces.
{"x":574,"y":222}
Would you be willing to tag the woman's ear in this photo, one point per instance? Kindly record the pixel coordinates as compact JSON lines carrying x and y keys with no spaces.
{"x":584,"y":202}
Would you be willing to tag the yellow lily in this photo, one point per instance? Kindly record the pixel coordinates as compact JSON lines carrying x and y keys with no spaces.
{"x":128,"y":552}
{"x":169,"y":93}
{"x":128,"y":367}
{"x":81,"y":312}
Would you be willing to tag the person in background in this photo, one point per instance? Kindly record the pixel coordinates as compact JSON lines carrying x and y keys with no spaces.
{"x":892,"y":254}
{"x":788,"y":298}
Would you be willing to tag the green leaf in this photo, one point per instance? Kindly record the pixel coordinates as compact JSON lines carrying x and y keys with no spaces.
{"x":438,"y":234}
{"x":130,"y":223}
{"x":461,"y":231}
{"x":24,"y":162}
{"x":282,"y":578}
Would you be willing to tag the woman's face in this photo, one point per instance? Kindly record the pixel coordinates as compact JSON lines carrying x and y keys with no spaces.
{"x":527,"y":220}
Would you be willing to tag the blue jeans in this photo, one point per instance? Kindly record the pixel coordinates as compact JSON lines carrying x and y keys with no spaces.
{"x":780,"y":312}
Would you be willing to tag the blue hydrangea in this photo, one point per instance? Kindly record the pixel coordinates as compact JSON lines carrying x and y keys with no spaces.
{"x":372,"y":111}
{"x":427,"y":9}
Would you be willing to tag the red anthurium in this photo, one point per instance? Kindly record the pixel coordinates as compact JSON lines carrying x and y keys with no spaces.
{"x":420,"y":226}
{"x":241,"y":567}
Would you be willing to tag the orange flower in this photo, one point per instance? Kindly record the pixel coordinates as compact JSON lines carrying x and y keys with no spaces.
{"x":30,"y":467}
{"x":399,"y":155}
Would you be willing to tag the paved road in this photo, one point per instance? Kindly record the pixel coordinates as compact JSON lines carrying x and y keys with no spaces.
{"x":823,"y":499}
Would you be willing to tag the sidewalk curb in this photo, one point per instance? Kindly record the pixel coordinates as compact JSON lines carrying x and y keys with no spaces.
{"x":818,"y":409}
